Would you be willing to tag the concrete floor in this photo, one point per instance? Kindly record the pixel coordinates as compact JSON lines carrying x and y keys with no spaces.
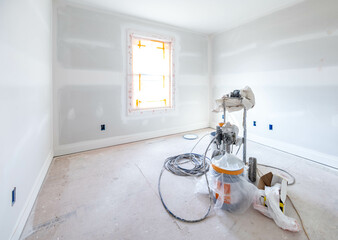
{"x":111,"y":193}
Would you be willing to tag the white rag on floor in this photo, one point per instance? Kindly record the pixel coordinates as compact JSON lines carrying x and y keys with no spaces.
{"x":236,"y":104}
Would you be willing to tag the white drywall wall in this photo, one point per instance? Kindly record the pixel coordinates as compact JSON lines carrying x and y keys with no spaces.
{"x":290,"y":60}
{"x":25,"y":103}
{"x":90,"y":70}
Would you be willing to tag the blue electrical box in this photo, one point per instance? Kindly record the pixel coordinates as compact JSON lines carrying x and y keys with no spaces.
{"x":13,"y":195}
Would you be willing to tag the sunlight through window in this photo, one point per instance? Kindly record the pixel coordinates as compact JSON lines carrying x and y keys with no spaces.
{"x":151,"y":73}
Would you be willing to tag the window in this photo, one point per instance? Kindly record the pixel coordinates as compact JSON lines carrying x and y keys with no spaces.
{"x":150,"y":73}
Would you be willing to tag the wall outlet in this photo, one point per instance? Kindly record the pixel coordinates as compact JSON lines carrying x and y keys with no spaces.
{"x":13,"y":195}
{"x":254,"y":123}
{"x":270,"y":127}
{"x":103,"y":127}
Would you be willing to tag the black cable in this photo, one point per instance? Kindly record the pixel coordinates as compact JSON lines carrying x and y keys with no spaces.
{"x":292,"y":177}
{"x":172,"y":164}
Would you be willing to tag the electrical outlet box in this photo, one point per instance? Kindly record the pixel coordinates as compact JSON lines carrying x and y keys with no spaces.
{"x":103,"y":127}
{"x":13,"y":195}
{"x":270,"y":127}
{"x":254,"y":123}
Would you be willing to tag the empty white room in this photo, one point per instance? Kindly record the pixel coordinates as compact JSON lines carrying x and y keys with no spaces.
{"x":181,"y":119}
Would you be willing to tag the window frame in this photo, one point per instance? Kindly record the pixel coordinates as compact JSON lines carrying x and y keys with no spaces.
{"x":168,"y":39}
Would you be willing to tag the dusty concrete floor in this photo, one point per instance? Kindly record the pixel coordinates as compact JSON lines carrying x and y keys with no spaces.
{"x":111,"y":193}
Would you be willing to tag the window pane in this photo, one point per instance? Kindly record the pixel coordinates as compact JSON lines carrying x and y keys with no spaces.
{"x":151,"y":65}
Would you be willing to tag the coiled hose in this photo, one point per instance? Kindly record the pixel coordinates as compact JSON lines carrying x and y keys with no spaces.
{"x":174,"y":165}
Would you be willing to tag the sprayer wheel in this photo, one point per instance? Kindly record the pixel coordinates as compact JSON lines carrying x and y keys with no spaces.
{"x":252,"y":169}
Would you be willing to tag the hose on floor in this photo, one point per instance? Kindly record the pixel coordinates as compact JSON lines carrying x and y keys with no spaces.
{"x":174,"y":165}
{"x":282,"y":170}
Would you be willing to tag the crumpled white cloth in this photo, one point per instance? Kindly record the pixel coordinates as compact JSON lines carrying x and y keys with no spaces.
{"x":236,"y":104}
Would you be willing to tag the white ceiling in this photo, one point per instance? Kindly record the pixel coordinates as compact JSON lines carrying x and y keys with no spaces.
{"x":204,"y":16}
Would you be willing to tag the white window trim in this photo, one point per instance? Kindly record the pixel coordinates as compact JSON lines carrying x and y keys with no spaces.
{"x":130,"y":109}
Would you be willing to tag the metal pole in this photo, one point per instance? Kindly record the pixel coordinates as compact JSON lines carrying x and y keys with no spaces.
{"x":244,"y":135}
{"x":224,"y":110}
{"x":227,"y":147}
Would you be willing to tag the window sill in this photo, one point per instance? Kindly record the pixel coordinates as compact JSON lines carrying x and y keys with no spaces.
{"x":150,"y":111}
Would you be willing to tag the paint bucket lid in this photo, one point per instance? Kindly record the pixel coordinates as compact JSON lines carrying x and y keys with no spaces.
{"x":228,"y":164}
{"x":190,"y":136}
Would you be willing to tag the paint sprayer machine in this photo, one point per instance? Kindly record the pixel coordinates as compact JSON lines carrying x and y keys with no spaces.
{"x":226,"y":135}
{"x":228,"y":179}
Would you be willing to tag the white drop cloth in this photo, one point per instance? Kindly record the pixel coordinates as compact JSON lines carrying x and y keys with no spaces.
{"x":236,"y":104}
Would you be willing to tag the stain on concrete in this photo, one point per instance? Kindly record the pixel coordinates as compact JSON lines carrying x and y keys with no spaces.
{"x":50,"y":223}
